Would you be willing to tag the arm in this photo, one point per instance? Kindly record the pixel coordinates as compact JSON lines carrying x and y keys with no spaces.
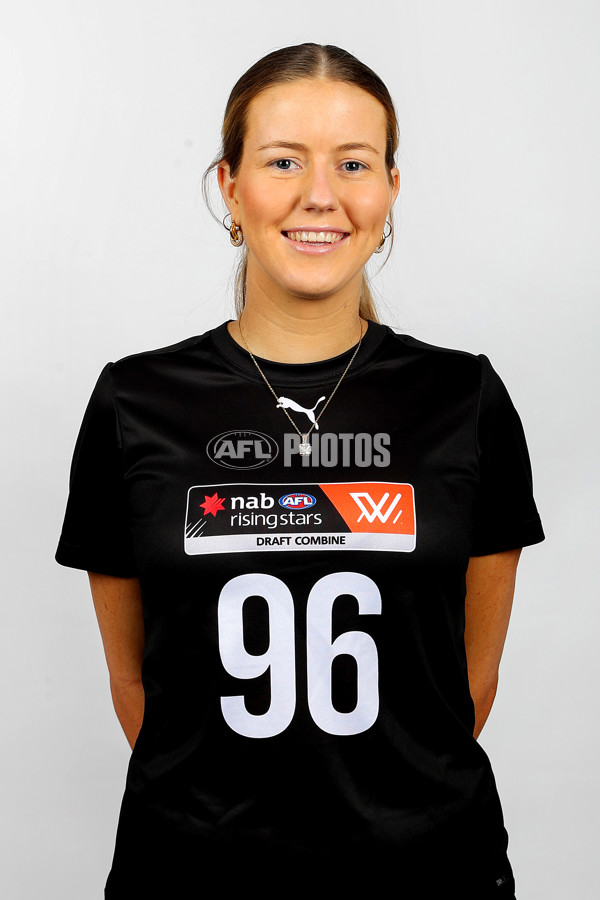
{"x":490,"y":588}
{"x":118,"y":605}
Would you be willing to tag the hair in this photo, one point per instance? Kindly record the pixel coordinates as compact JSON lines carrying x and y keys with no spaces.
{"x":281,"y":67}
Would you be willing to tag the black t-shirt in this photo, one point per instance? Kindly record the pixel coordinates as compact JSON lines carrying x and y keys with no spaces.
{"x":308,"y":718}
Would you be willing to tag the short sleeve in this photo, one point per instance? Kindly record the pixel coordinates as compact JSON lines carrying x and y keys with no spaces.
{"x":506,"y":516}
{"x":96,"y":534}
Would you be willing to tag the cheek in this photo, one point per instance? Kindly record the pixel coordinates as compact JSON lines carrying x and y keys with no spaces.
{"x":370,"y":210}
{"x":251,"y":207}
{"x":261,"y":204}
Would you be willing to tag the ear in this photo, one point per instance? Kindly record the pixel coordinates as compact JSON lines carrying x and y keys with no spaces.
{"x":227,"y":186}
{"x":395,"y":186}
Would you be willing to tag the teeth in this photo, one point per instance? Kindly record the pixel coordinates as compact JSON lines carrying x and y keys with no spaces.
{"x":315,"y":237}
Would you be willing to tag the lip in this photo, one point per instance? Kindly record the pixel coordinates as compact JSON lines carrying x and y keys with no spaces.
{"x":313,"y":249}
{"x":314,"y":227}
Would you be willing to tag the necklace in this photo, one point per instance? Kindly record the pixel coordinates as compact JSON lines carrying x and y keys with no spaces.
{"x":282,"y":402}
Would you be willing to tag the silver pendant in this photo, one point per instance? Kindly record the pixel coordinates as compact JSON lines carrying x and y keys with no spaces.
{"x":305,"y":448}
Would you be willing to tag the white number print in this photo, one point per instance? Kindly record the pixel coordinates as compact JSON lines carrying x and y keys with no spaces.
{"x":321,"y":652}
{"x":280,"y":657}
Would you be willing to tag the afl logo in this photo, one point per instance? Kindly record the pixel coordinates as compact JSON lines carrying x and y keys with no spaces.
{"x":242,"y":449}
{"x":297,"y":500}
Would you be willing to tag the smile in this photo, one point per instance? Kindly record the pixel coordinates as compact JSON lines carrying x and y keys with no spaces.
{"x":315,"y":237}
{"x":315,"y":242}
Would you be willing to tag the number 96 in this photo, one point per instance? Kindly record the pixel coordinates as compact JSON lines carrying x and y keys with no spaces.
{"x":280,"y":657}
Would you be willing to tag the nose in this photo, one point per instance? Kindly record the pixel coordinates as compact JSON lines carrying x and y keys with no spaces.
{"x":318,"y":189}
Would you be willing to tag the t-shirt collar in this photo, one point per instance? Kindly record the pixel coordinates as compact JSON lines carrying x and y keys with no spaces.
{"x":296,"y":374}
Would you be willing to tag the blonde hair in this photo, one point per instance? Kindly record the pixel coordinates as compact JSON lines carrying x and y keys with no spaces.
{"x":280,"y":67}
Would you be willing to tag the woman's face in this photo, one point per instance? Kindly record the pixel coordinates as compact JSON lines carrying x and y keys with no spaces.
{"x":312,"y":192}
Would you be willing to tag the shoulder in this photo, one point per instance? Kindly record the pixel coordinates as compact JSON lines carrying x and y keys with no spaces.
{"x":443,"y":362}
{"x":432,"y":351}
{"x":458,"y":375}
{"x":170,"y":352}
{"x":145,"y":366}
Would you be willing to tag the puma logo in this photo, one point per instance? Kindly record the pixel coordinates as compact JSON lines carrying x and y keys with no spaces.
{"x":286,"y":403}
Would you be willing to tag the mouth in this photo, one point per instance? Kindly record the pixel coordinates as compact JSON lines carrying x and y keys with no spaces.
{"x":311,"y":239}
{"x":316,"y":237}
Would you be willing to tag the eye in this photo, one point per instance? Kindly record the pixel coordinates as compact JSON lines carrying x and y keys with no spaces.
{"x":353,"y":165}
{"x":283,"y":165}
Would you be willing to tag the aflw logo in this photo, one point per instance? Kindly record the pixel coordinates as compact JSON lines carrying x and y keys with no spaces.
{"x":377,"y":509}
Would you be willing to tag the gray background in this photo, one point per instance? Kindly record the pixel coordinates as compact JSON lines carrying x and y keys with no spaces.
{"x":110,"y":110}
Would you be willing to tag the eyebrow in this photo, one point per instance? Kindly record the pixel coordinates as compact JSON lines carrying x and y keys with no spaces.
{"x":342,"y":148}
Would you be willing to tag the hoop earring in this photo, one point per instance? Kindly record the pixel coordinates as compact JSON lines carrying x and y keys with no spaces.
{"x":384,"y":238}
{"x":235,"y":232}
{"x":235,"y":235}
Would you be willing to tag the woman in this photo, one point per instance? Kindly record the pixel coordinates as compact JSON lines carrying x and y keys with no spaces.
{"x":302,"y":532}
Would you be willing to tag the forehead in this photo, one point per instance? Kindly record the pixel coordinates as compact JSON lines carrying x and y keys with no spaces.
{"x":312,"y":109}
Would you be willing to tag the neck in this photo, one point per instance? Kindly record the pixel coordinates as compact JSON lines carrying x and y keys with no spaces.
{"x":305,"y":332}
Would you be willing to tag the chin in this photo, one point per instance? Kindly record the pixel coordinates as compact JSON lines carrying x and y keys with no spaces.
{"x":311,"y":289}
{"x":311,"y":293}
